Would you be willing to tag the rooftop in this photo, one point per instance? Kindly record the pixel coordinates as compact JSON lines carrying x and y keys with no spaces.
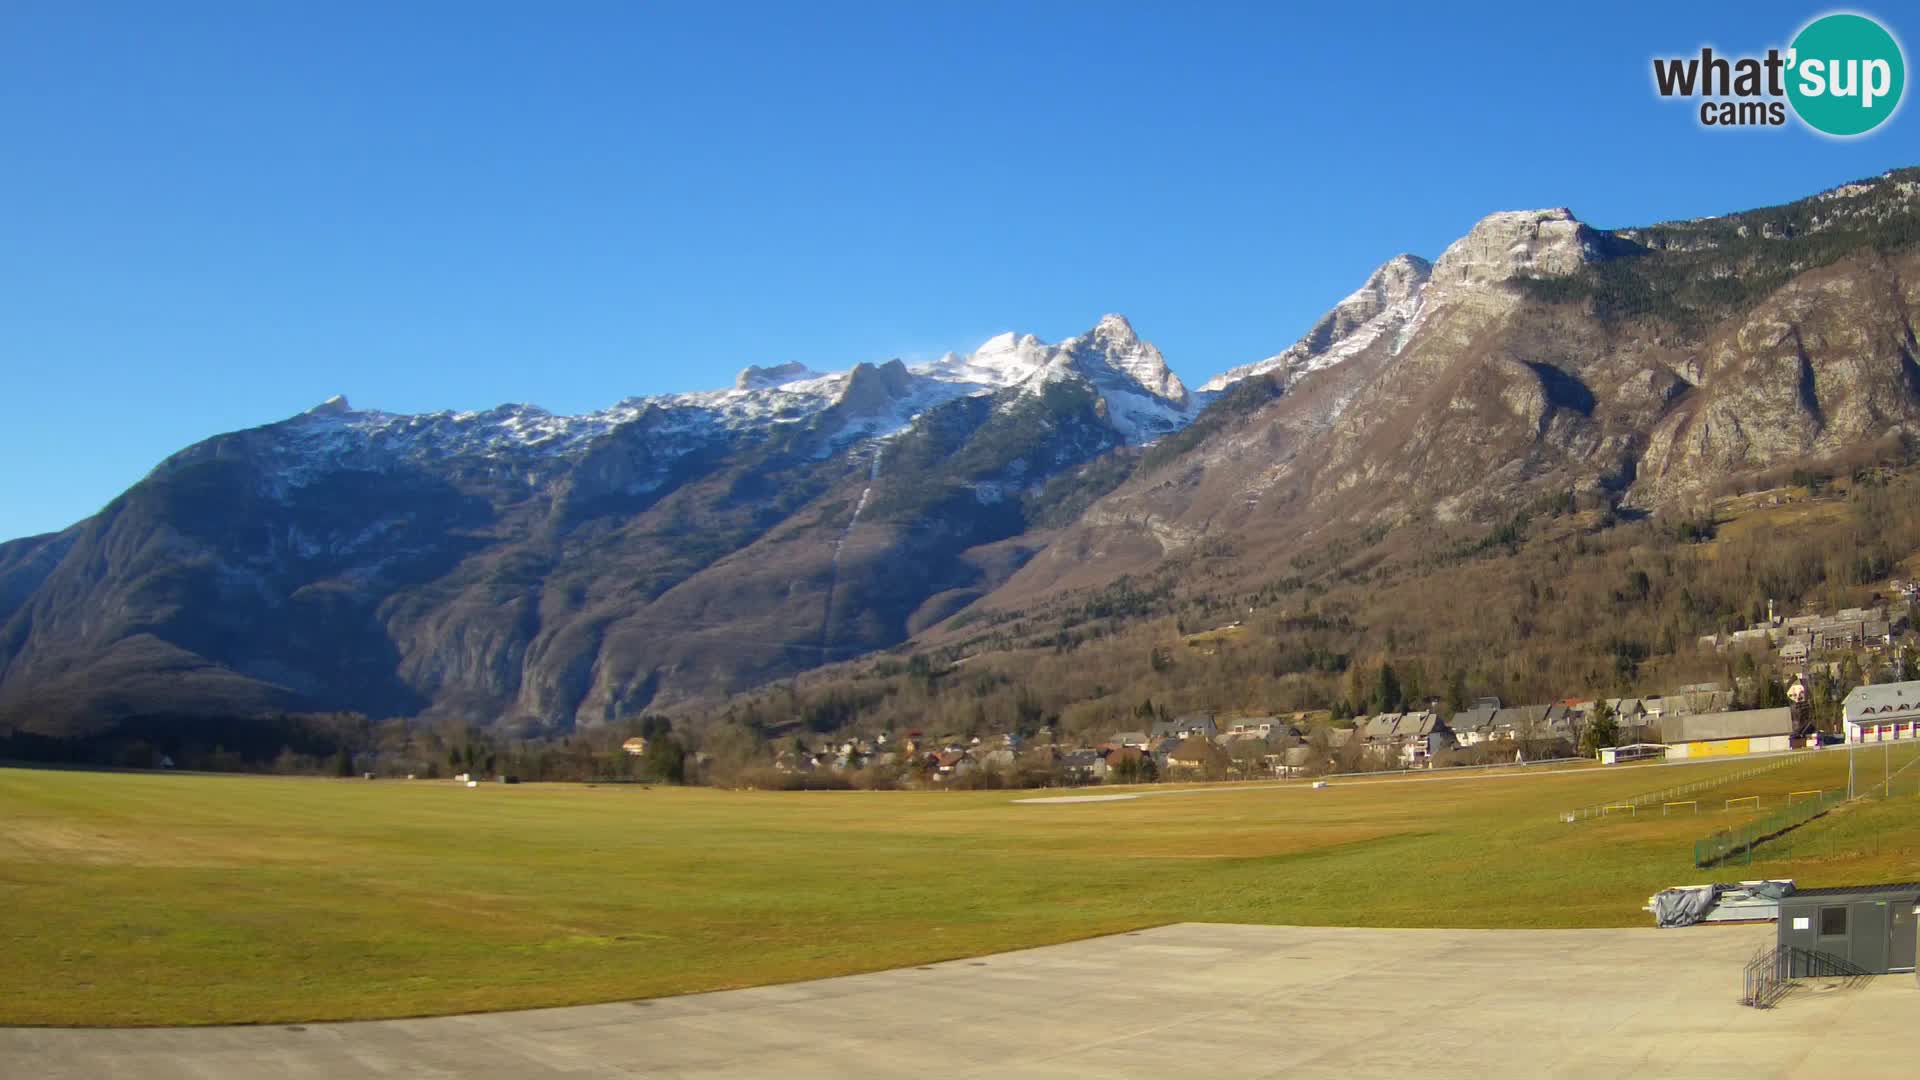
{"x":1904,"y":695}
{"x":1896,"y":888}
{"x":1746,"y":724}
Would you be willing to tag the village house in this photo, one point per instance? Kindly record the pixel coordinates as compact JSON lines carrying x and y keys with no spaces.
{"x":1251,"y":753}
{"x":1421,"y":736}
{"x":1197,"y":758}
{"x":1295,"y":761}
{"x":1409,"y":739}
{"x":1801,"y":636}
{"x":1262,"y":726}
{"x":1376,"y":730}
{"x":1124,"y":759}
{"x":1138,"y":739}
{"x":1082,"y":766}
{"x":1200,"y":724}
{"x":1539,"y":724}
{"x":635,"y":746}
{"x":1518,"y":723}
{"x":1699,"y":698}
{"x":1473,"y":726}
{"x":1627,"y":710}
{"x":949,"y":764}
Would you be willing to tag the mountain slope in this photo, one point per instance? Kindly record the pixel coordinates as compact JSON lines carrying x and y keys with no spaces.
{"x":1542,"y":359}
{"x":512,"y":564}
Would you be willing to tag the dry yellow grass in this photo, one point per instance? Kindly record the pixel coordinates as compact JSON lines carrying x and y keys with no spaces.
{"x":150,"y":899}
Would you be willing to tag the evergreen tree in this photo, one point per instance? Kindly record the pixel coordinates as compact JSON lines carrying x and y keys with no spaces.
{"x":1456,"y":693}
{"x":1773,"y":695}
{"x":665,"y":760}
{"x":1386,"y":690}
{"x":1603,"y":729}
{"x":1850,"y":675}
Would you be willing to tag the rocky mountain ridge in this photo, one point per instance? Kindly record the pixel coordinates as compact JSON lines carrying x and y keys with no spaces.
{"x":1544,"y":359}
{"x":512,"y":565}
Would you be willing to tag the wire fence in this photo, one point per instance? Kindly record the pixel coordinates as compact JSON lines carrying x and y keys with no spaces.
{"x":1886,"y":786}
{"x":1736,"y":843}
{"x":1678,"y":792}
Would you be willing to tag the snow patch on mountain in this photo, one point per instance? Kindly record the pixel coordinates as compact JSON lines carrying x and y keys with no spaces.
{"x":1002,"y":361}
{"x":1144,"y":401}
{"x":1389,"y":303}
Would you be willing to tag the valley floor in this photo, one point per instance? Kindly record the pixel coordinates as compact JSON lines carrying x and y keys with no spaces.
{"x":149,"y":899}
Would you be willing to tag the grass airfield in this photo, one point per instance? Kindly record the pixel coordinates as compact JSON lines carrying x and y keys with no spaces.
{"x":133,"y":899}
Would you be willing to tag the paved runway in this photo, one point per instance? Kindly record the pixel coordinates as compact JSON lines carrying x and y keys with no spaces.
{"x":1187,"y":1000}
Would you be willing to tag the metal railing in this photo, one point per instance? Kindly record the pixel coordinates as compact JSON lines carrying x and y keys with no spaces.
{"x":1669,"y":794}
{"x":1726,"y":845}
{"x":1769,"y":976}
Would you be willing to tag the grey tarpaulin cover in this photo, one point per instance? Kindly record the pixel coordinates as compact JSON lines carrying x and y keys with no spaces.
{"x":1684,"y":907}
{"x":1690,"y":904}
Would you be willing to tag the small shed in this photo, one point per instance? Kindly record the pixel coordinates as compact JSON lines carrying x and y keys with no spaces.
{"x":1870,"y":927}
{"x":1614,"y":755}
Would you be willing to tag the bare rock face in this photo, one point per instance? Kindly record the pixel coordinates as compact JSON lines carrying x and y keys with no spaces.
{"x":1823,"y":364}
{"x":1397,"y":282}
{"x":1381,"y":309}
{"x":1113,"y":344}
{"x":1505,"y":245}
{"x":1703,"y":352}
{"x":872,"y":390}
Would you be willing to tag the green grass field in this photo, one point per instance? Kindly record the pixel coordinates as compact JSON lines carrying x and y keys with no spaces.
{"x":154,"y":899}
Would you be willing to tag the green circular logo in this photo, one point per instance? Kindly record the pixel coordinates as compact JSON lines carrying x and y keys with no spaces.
{"x":1846,"y":74}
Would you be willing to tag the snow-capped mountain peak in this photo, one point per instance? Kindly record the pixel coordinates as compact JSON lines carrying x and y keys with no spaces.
{"x":1143,"y":401}
{"x":1387,"y":303}
{"x":1113,"y":344}
{"x":1003,"y":360}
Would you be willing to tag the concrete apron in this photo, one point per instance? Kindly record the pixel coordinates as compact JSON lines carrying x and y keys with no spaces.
{"x":1186,"y":1000}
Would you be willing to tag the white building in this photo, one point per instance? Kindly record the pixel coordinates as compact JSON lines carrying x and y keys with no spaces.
{"x":1882,"y":713}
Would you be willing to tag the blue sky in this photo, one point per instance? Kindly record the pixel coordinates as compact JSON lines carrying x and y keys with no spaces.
{"x":219,"y":214}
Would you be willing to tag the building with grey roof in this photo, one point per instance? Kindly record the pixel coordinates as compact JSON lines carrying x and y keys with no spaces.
{"x":1882,"y":713}
{"x":1749,"y":731}
{"x":1473,"y":726}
